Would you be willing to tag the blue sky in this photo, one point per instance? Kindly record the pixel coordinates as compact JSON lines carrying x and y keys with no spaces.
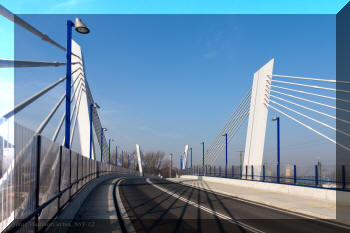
{"x":164,"y":81}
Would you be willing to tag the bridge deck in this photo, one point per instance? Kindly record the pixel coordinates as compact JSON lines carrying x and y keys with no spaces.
{"x":301,"y":204}
{"x":98,"y":213}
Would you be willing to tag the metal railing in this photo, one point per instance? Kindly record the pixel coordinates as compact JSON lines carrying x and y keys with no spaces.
{"x":311,"y":176}
{"x":42,"y":179}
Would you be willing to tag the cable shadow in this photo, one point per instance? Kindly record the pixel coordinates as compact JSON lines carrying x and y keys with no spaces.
{"x":223,"y":206}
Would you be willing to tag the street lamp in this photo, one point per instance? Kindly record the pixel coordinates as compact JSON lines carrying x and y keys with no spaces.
{"x":191,"y":157}
{"x":92,"y":107}
{"x":278,"y":147}
{"x":240,"y":162}
{"x":225,"y":135}
{"x":128,"y":160}
{"x":180,"y":162}
{"x":81,"y":28}
{"x":102,"y":129}
{"x":109,"y":150}
{"x":203,"y":155}
{"x":116,"y":156}
{"x":122,"y":158}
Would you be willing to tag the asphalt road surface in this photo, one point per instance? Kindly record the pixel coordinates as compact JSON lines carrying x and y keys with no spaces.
{"x":155,"y":205}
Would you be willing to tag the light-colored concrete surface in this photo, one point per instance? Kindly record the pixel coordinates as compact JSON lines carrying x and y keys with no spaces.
{"x":316,"y":207}
{"x":100,"y":203}
{"x":69,"y":212}
{"x":317,"y":193}
{"x":98,"y":213}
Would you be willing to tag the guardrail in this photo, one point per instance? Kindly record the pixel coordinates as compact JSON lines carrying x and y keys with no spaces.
{"x":289,"y":175}
{"x":42,"y":178}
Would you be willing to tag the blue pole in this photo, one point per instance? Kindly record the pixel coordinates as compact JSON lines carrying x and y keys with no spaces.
{"x":226,"y":156}
{"x":203,"y":155}
{"x":316,"y":175}
{"x":101,"y":143}
{"x":191,"y":157}
{"x":278,"y":149}
{"x":343,"y":177}
{"x":109,"y":151}
{"x":181,"y":162}
{"x":263,"y":172}
{"x":91,"y":109}
{"x":122,"y":159}
{"x":116,"y":155}
{"x":68,"y":83}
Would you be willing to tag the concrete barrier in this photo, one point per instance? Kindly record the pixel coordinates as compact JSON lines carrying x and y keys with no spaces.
{"x":72,"y":208}
{"x":319,"y":193}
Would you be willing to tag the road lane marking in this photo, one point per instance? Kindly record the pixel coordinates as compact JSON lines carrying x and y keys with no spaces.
{"x":220,"y":215}
{"x":329,"y":222}
{"x":127,"y":222}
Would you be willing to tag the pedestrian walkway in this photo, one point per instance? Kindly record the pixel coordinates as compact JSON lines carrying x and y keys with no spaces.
{"x":304,"y":205}
{"x":98,"y":213}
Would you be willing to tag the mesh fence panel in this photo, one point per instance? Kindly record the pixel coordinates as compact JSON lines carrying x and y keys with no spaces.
{"x":65,"y":173}
{"x":49,"y":176}
{"x":74,"y":170}
{"x":19,"y":177}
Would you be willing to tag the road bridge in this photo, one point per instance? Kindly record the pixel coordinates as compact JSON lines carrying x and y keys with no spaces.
{"x":46,"y":182}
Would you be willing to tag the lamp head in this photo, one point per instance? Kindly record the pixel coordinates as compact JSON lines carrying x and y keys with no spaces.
{"x":80,"y":26}
{"x":104,"y":129}
{"x":96,"y":105}
{"x":274,"y":119}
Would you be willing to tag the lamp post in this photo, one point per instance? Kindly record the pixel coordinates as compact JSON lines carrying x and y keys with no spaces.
{"x":109,"y":150}
{"x":203,"y":155}
{"x":122,"y":158}
{"x":240,"y":162}
{"x":180,"y":162}
{"x":92,"y":107}
{"x":116,"y":155}
{"x":226,"y":154}
{"x":81,"y":28}
{"x":278,"y":147}
{"x":128,"y":160}
{"x":191,"y":157}
{"x":102,"y":129}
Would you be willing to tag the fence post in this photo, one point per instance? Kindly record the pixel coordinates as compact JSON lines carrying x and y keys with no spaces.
{"x":252,"y":173}
{"x":77,"y":173}
{"x":295,"y":174}
{"x":264,"y":172}
{"x":37,"y":181}
{"x":240,"y":172}
{"x":59,"y":177}
{"x":343,"y":177}
{"x":219,"y":171}
{"x":246,"y":172}
{"x":70,"y":174}
{"x":316,"y":175}
{"x":82,"y":170}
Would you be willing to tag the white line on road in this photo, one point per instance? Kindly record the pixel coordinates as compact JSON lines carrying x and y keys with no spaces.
{"x":267,"y":206}
{"x":127,"y":222}
{"x":222,"y":216}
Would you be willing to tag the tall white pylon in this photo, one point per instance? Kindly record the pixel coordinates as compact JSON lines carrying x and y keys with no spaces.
{"x":139,"y":159}
{"x":255,"y":140}
{"x":184,"y":161}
